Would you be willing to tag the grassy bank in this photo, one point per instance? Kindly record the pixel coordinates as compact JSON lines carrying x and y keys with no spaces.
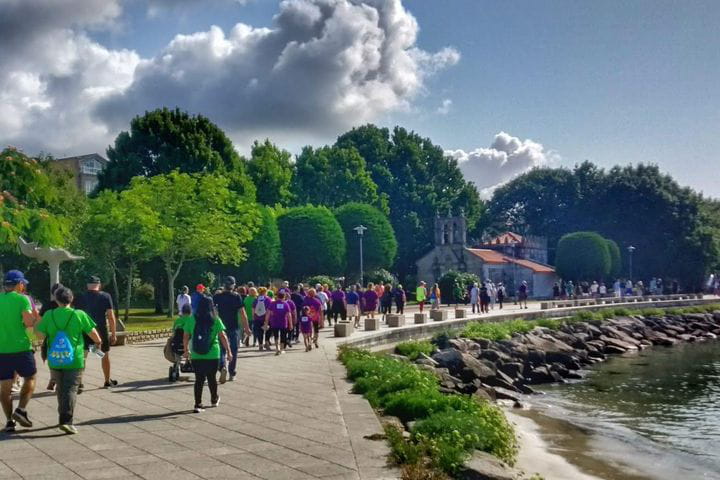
{"x":446,"y":429}
{"x":143,"y":319}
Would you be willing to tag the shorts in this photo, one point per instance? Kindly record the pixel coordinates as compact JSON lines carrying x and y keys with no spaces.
{"x":353,"y":310}
{"x":22,"y":363}
{"x":104,"y":337}
{"x":306,"y":328}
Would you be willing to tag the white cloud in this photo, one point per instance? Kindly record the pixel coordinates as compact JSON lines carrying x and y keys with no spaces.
{"x":507,"y":157}
{"x":323,"y":66}
{"x":444,"y":108}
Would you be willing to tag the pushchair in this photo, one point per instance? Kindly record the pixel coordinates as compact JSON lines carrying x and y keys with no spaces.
{"x":173,"y":352}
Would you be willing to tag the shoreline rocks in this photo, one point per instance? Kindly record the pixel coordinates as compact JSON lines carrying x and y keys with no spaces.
{"x":504,"y":369}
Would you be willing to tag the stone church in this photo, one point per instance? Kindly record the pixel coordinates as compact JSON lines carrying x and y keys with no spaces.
{"x":508,"y":258}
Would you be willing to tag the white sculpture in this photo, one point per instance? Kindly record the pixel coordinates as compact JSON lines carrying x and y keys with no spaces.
{"x":53,"y":256}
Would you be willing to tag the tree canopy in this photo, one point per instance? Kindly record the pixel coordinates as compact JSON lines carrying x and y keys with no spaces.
{"x":271,"y":171}
{"x":379,"y":244}
{"x":312,"y":242}
{"x":264,"y":253}
{"x":165,"y":140}
{"x":583,"y":256}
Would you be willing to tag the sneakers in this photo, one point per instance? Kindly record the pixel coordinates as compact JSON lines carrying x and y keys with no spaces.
{"x":199,"y":408}
{"x":81,"y":387}
{"x":232,"y":378}
{"x":223,"y":375}
{"x":215,"y":403}
{"x":69,"y":429}
{"x":51,"y":386}
{"x":21,"y":417}
{"x":10,"y":426}
{"x":111,"y":383}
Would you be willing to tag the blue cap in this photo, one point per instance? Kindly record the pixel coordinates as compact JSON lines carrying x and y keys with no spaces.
{"x":13,"y":277}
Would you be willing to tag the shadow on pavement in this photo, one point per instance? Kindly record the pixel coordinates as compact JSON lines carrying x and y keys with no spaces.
{"x":134,"y":418}
{"x":148,"y":385}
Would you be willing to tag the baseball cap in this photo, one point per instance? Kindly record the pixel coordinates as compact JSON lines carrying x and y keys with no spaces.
{"x":200,"y":287}
{"x":229,"y":281}
{"x":93,"y":280}
{"x":13,"y":277}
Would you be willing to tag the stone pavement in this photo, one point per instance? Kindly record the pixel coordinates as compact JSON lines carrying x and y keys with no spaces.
{"x":288,"y":417}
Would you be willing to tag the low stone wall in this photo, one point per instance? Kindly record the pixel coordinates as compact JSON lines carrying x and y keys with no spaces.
{"x":583,"y":301}
{"x":420,"y":331}
{"x":146,"y":336}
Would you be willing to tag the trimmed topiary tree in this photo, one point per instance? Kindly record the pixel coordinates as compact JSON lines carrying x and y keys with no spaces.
{"x":312,"y":242}
{"x":582,"y":256}
{"x":615,"y":258}
{"x":379,"y":244}
{"x":453,"y":285}
{"x":264,"y":260}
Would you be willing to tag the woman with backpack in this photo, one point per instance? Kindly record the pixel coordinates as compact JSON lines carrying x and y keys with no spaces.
{"x":64,"y":327}
{"x":207,"y":332}
{"x":260,"y":307}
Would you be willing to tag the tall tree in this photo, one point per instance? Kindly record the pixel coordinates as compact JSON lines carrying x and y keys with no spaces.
{"x":334,"y":176}
{"x":419,"y":180}
{"x":264,"y":252}
{"x":165,"y":140}
{"x":271,"y":171}
{"x":199,"y":217}
{"x":312,"y":242}
{"x":379,"y":244}
{"x":583,"y":256}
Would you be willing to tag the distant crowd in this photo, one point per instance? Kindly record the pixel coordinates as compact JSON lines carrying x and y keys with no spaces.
{"x":620,"y":288}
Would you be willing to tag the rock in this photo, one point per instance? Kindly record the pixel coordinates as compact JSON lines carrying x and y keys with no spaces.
{"x":565,"y":359}
{"x":485,"y":393}
{"x":547,"y":344}
{"x":609,"y":341}
{"x":426,"y":361}
{"x":427,"y":368}
{"x":502,"y":381}
{"x":536,"y":357}
{"x":512,"y":369}
{"x":451,"y":359}
{"x":540,"y":375}
{"x":426,"y":357}
{"x":505,"y":394}
{"x":526,"y":389}
{"x":389,"y":420}
{"x":483,"y":466}
{"x":401,"y":358}
{"x":477,"y":368}
{"x":458,"y":344}
{"x":466,"y":388}
{"x":612,"y":349}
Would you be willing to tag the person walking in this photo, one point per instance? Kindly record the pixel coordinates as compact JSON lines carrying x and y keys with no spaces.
{"x":475,"y":298}
{"x":421,"y":295}
{"x":339,"y":304}
{"x":196,"y":296}
{"x":435,"y":297}
{"x":16,"y":315}
{"x":386,"y":301}
{"x":370,"y":301}
{"x":400,"y":298}
{"x":316,"y":313}
{"x":98,"y":305}
{"x":207,"y":333}
{"x":293,"y":317}
{"x":324,"y":298}
{"x":248,"y":302}
{"x":183,"y":298}
{"x":492,"y":292}
{"x":51,"y":305}
{"x":353,"y":305}
{"x":484,"y":298}
{"x":277,"y":320}
{"x":260,"y":306}
{"x":523,"y":294}
{"x":229,"y":306}
{"x":306,"y":327}
{"x":298,"y":298}
{"x":63,"y":327}
{"x":500,"y":294}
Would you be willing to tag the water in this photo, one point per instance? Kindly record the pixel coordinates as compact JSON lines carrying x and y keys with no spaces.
{"x":657,"y":411}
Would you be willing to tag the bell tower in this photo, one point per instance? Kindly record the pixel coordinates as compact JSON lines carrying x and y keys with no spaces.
{"x":450,"y":229}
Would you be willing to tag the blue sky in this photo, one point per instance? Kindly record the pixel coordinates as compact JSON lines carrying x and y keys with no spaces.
{"x":610,"y":81}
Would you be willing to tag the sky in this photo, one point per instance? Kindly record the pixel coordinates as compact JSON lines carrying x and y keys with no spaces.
{"x":501,"y":86}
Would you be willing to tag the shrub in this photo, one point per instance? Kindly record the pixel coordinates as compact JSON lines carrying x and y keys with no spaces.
{"x":321,"y":279}
{"x":496,"y":331}
{"x":582,"y":256}
{"x":379,"y":243}
{"x":453,"y":285}
{"x":413,"y":349}
{"x":380,"y":276}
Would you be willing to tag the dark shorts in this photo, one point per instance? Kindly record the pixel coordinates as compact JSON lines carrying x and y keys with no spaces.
{"x":21,"y":363}
{"x":104,"y":336}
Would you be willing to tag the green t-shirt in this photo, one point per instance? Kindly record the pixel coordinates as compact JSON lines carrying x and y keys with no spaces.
{"x":270,"y":294}
{"x":60,"y":319}
{"x":214,"y":352}
{"x":13,"y":335}
{"x":180,"y":322}
{"x":249,"y":308}
{"x":420,"y":294}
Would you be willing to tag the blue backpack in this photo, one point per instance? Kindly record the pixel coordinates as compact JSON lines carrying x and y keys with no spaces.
{"x":61,"y":352}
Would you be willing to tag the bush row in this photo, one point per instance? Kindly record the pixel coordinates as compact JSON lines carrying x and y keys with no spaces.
{"x":446,"y":428}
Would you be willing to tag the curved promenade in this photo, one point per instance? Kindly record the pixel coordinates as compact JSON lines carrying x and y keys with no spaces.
{"x":288,"y":417}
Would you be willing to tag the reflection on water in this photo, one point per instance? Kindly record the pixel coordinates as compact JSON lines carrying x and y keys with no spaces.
{"x":669,"y":396}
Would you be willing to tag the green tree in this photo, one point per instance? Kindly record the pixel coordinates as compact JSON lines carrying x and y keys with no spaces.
{"x":334,"y":176}
{"x":312,"y":242}
{"x":164,"y":140}
{"x":615,"y":258}
{"x":583,"y":256}
{"x":199,"y":217}
{"x":379,"y":244}
{"x":120,"y":232}
{"x":453,"y":285}
{"x":419,"y":180}
{"x":264,"y":253}
{"x":271,"y":172}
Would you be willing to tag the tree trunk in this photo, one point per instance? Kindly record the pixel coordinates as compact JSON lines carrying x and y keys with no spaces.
{"x":116,"y":289}
{"x":131,"y":267}
{"x":171,"y":276}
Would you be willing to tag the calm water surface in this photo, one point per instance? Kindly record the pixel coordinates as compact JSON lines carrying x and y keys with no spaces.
{"x":659,"y":409}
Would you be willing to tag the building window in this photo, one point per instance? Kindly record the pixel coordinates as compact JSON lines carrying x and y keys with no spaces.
{"x":90,"y":167}
{"x":89,"y":185}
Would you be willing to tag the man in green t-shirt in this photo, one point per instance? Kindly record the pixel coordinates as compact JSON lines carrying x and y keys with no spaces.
{"x":67,"y":377}
{"x":16,"y":354}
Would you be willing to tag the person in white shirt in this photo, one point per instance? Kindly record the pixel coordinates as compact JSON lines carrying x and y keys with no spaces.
{"x":183,"y":298}
{"x":602,"y":289}
{"x":475,"y":297}
{"x":594,"y":287}
{"x":492,"y":291}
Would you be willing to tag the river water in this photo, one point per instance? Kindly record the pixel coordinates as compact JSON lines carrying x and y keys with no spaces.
{"x":648,"y":415}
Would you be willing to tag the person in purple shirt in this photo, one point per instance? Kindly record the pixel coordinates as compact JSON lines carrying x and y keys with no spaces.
{"x":260,"y":307}
{"x":279,"y":318}
{"x":298,"y":298}
{"x":339,"y":304}
{"x":370,"y":301}
{"x":293,"y":320}
{"x":315,"y":311}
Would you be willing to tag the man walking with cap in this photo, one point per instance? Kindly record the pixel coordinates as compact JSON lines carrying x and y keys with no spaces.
{"x":16,"y":354}
{"x":99,"y":306}
{"x":230,"y":309}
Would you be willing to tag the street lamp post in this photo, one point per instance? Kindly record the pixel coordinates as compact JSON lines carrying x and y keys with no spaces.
{"x":360,"y":229}
{"x":630,"y":250}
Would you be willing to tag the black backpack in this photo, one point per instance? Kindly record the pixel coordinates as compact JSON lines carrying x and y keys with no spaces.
{"x":201,"y":340}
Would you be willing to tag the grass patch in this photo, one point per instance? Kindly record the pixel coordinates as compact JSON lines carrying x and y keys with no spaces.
{"x":142,"y":319}
{"x":413,"y":349}
{"x":449,"y":427}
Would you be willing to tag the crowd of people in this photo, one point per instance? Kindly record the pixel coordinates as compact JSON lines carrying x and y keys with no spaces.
{"x":621,"y":287}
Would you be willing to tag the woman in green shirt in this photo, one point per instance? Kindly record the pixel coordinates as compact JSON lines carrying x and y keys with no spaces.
{"x":67,"y":374}
{"x":207,"y":332}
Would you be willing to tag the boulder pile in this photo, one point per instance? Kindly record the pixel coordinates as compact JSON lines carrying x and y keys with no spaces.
{"x":501,"y":370}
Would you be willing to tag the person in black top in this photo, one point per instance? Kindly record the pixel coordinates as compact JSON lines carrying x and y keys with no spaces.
{"x":229,"y":306}
{"x":51,"y":305}
{"x":99,"y":306}
{"x":298,"y":298}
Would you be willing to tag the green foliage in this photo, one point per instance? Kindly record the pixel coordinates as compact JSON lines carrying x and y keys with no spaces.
{"x":319,"y":279}
{"x":413,"y":348}
{"x":312,"y":242}
{"x":582,"y":256}
{"x":271,"y":171}
{"x":453,"y":285}
{"x":380,"y":276}
{"x":264,"y":252}
{"x":334,"y":176}
{"x":165,"y":140}
{"x":379,"y":244}
{"x":418,"y":179}
{"x":615,"y":258}
{"x":496,"y":331}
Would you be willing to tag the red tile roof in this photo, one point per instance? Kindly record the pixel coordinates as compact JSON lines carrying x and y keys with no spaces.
{"x":488,"y":256}
{"x":497,"y":258}
{"x":506,"y":238}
